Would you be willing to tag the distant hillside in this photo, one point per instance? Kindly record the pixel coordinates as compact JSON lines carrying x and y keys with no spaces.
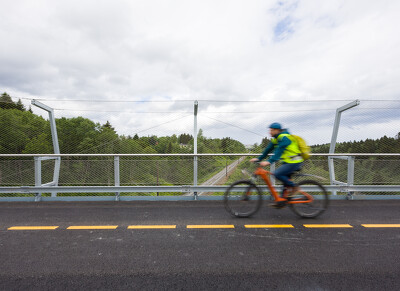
{"x":382,"y":145}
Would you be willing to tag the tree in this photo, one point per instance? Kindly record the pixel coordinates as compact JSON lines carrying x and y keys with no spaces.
{"x":108,"y":125}
{"x":40,"y":144}
{"x":264,"y":142}
{"x":73,"y":131}
{"x":13,"y":136}
{"x":169,"y":148}
{"x":106,"y":140}
{"x":200,"y":134}
{"x":225,"y":144}
{"x":17,"y":128}
{"x":153,"y":140}
{"x":185,"y":138}
{"x":20,"y":106}
{"x":129,"y":146}
{"x":6,"y":102}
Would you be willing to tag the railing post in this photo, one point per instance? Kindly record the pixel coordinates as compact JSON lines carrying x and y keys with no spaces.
{"x":56,"y":147}
{"x":335,"y":131}
{"x":56,"y":174}
{"x":350,"y":175}
{"x":332,"y":177}
{"x":196,"y":105}
{"x":38,"y":176}
{"x":116,"y":176}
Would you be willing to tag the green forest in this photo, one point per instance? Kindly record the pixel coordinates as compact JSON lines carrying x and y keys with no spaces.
{"x":23,"y":132}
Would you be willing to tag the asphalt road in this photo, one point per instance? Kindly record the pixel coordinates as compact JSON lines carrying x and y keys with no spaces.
{"x":203,"y":248}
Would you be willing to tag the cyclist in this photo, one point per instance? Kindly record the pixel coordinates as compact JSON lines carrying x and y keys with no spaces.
{"x":285,"y":148}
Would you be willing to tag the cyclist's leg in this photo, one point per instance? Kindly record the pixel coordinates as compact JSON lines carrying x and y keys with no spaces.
{"x":284,"y":172}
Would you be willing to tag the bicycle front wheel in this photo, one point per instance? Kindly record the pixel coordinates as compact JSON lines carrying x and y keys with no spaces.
{"x":313,"y":192}
{"x":243,"y":198}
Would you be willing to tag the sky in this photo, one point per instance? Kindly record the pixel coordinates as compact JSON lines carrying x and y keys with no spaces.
{"x":142,"y":64}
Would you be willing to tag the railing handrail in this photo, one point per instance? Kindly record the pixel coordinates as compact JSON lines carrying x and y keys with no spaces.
{"x":193,"y":155}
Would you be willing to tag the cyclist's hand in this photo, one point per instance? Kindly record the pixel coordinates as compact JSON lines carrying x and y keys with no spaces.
{"x":255,"y":160}
{"x":264,"y":164}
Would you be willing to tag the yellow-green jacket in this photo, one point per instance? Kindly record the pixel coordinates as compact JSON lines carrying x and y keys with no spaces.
{"x":285,"y":148}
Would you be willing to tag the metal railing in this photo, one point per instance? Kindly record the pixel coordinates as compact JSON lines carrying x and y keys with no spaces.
{"x":22,"y":176}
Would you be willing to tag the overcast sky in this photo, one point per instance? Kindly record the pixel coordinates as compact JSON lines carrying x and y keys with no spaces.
{"x":302,"y":59}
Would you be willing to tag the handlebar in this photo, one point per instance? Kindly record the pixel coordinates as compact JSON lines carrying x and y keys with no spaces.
{"x":259,"y":164}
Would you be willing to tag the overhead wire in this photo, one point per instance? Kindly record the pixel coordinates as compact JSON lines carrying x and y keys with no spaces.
{"x":164,"y":123}
{"x":216,"y":112}
{"x":230,"y":124}
{"x":204,"y":100}
{"x":121,"y":111}
{"x":199,"y":100}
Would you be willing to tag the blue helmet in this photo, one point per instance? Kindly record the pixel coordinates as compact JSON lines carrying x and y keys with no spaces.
{"x":275,"y":125}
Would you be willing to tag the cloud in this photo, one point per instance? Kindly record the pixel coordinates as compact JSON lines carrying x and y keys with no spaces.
{"x":207,"y":50}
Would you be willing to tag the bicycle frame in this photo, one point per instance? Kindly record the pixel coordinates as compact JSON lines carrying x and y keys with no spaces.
{"x":264,"y":174}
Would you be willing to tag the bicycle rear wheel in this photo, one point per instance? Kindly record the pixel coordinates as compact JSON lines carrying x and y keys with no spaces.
{"x":243,"y":198}
{"x":319,"y":197}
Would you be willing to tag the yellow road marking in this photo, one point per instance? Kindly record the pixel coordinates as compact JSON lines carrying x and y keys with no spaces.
{"x":381,"y":225}
{"x":74,"y":227}
{"x":202,"y":226}
{"x":211,"y":226}
{"x":151,"y":226}
{"x":32,"y":227}
{"x":327,"y":225}
{"x":269,"y":226}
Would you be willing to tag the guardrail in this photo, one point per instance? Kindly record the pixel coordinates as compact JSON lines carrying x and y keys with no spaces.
{"x":38,"y":192}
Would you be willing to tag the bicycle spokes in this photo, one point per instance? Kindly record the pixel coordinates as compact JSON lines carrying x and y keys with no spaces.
{"x":246,"y":196}
{"x":311,"y":199}
{"x":300,"y":196}
{"x":242,"y":198}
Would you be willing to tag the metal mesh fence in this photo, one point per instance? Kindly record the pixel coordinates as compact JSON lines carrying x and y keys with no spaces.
{"x":167,"y":127}
{"x":17,"y":172}
{"x":178,"y":170}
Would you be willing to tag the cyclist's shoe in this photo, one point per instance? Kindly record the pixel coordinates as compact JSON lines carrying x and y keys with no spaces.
{"x":292,"y":191}
{"x":278,"y":205}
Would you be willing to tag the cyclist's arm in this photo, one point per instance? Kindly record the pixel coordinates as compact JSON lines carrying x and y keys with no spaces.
{"x":266,"y":151}
{"x":280,"y":148}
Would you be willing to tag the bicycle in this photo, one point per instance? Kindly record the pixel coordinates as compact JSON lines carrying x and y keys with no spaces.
{"x":244,"y":198}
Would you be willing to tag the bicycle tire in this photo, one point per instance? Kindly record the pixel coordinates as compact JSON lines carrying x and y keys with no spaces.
{"x":241,"y":203}
{"x":316,"y":207}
